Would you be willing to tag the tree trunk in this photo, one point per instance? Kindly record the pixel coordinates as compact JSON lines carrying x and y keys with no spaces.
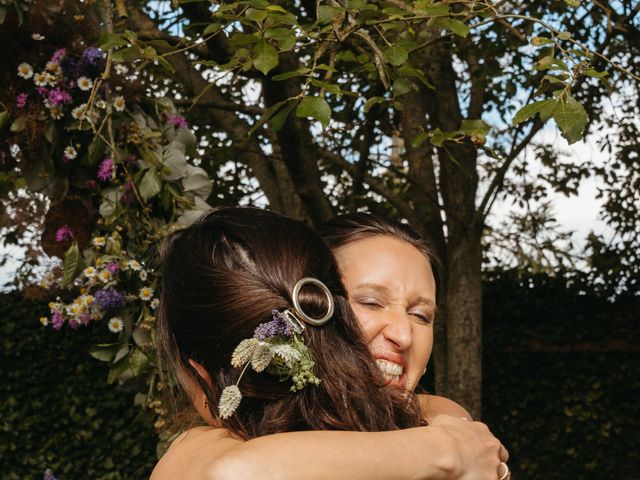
{"x":463,"y":314}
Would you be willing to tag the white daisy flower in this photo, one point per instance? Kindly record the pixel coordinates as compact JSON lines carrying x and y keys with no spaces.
{"x":70,"y":152}
{"x":40,"y":79}
{"x":99,"y":241}
{"x":44,"y":321}
{"x":143,"y":275}
{"x":51,"y":79}
{"x":53,"y":67}
{"x":84,"y":83}
{"x":116,"y":325}
{"x":145,"y":294}
{"x":56,"y":113}
{"x":134,"y":265}
{"x":119,"y":103}
{"x":105,"y":276}
{"x":25,"y":71}
{"x":79,"y":112}
{"x":101,"y":104}
{"x":37,"y":37}
{"x":154,"y":303}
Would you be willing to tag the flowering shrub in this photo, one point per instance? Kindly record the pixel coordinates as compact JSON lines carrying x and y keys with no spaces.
{"x":79,"y":135}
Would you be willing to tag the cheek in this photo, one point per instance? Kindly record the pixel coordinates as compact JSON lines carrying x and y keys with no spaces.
{"x":367,"y":320}
{"x":423,"y":342}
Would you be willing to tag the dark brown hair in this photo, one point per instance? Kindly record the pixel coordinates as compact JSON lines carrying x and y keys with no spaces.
{"x":222,"y":277}
{"x":344,"y":229}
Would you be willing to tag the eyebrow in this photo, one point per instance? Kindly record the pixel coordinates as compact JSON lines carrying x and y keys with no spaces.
{"x":385,"y":290}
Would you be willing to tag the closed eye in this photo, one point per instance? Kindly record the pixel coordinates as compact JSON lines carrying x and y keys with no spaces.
{"x":369,"y":303}
{"x":427,"y":319}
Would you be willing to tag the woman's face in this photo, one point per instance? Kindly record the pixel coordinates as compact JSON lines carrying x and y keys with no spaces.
{"x":392,"y":291}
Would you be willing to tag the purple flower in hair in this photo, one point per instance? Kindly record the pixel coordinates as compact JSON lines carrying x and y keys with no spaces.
{"x":21,"y":100}
{"x":92,"y":61}
{"x":64,"y":233}
{"x":113,"y":268}
{"x":105,"y":171}
{"x":278,"y":327}
{"x":69,"y":67}
{"x":109,"y":298}
{"x":42,"y":91}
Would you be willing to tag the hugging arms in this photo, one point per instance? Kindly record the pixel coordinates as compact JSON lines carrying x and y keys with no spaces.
{"x":224,"y":276}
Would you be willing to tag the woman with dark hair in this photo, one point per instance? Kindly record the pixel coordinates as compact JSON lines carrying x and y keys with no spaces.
{"x":246,"y":324}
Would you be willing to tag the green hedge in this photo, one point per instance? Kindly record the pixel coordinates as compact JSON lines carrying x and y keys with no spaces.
{"x":562,"y":415}
{"x":56,"y":409}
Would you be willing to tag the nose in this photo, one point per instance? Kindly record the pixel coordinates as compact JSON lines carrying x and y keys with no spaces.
{"x":398,"y":329}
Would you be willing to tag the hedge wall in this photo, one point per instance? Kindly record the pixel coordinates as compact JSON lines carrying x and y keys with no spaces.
{"x":562,"y":413}
{"x":56,"y":409}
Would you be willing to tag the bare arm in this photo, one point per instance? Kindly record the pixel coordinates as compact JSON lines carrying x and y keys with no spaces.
{"x":449,"y":449}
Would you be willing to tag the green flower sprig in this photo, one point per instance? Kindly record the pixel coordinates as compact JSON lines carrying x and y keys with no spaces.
{"x":278,"y":348}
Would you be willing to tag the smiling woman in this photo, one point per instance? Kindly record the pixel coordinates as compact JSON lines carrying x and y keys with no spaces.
{"x":226,"y":277}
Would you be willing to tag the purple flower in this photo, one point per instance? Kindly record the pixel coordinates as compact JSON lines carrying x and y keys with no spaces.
{"x":91,"y":62}
{"x":279,"y":326}
{"x":109,"y":298}
{"x":177,"y":121}
{"x":113,"y":267}
{"x":64,"y":233}
{"x":42,"y":91}
{"x":58,"y":54}
{"x":57,"y":320}
{"x":105,"y":171}
{"x":21,"y":100}
{"x":48,"y":474}
{"x":58,"y":97}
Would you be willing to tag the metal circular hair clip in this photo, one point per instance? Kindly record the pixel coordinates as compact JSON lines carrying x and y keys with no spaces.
{"x":316,"y":322}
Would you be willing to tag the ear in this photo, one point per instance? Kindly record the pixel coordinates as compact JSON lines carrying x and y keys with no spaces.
{"x":201,"y":371}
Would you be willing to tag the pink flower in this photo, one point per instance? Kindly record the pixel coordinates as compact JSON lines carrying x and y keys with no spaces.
{"x":57,"y":97}
{"x":58,"y":54}
{"x":177,"y":121}
{"x":63,"y":233}
{"x":21,"y":100}
{"x":105,"y":171}
{"x":42,"y":91}
{"x":113,"y":268}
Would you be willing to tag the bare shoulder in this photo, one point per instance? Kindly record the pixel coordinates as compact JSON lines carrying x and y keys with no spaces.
{"x":434,"y":405}
{"x":191,"y":454}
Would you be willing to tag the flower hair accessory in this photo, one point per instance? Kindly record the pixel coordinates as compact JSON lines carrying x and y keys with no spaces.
{"x":278,"y":348}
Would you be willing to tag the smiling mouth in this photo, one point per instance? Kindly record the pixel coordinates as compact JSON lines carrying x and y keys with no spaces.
{"x":390,"y":371}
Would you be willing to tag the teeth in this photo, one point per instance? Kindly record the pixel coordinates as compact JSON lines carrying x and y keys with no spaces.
{"x":391,"y":370}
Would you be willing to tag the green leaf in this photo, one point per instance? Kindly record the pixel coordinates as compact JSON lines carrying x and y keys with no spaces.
{"x":211,"y":28}
{"x":475,"y":127}
{"x":373,"y":101}
{"x":255,"y":14}
{"x":590,"y":72}
{"x":265,"y":57}
{"x":266,"y":116}
{"x":396,"y":55}
{"x":105,"y":352}
{"x":150,"y":185}
{"x":451,"y":24}
{"x":329,"y":87}
{"x":315,"y":107}
{"x":327,"y":13}
{"x":72,"y":264}
{"x":431,"y":9}
{"x":419,"y":139}
{"x":530,"y":110}
{"x":401,"y":86}
{"x":4,"y":119}
{"x":564,"y":35}
{"x":294,"y":73}
{"x":538,"y":41}
{"x":571,"y":118}
{"x":278,"y":120}
{"x":19,"y":124}
{"x":138,"y":361}
{"x":112,"y":40}
{"x":572,"y":3}
{"x":120,"y":368}
{"x":164,"y":63}
{"x":550,"y":63}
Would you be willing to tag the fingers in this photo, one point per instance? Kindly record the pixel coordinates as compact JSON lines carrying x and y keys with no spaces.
{"x":504,"y":454}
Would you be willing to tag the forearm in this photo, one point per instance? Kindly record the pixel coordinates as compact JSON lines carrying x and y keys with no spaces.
{"x":415,"y":453}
